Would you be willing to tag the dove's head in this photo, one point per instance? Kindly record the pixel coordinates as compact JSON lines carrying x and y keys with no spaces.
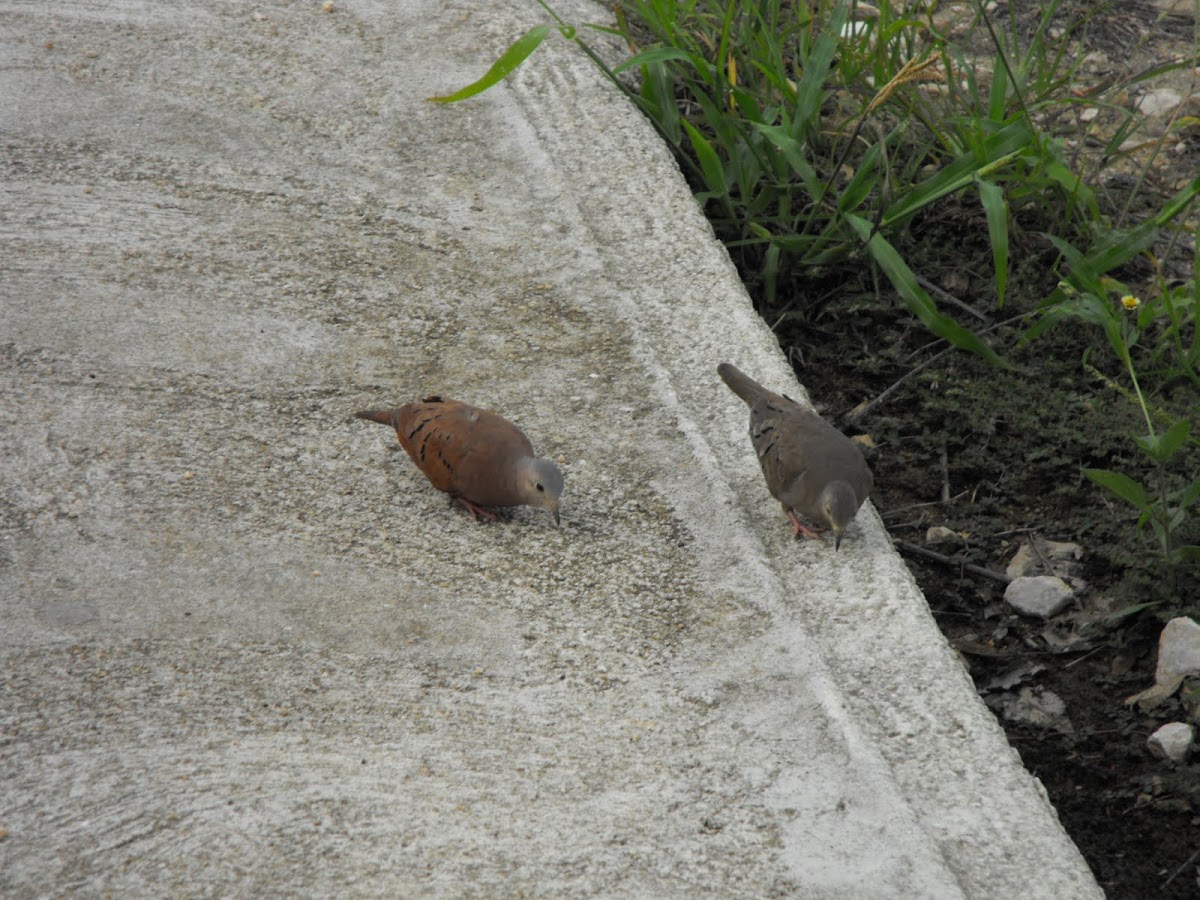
{"x":838,"y":505}
{"x":541,"y":485}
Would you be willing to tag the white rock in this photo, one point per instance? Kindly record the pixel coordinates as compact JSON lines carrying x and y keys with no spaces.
{"x":1056,"y":553}
{"x":1173,"y":741}
{"x":1181,"y":8}
{"x":1033,"y":706}
{"x":940,"y":534}
{"x":1178,"y":657}
{"x":1038,"y":595}
{"x":1178,"y":649}
{"x":1160,"y":100}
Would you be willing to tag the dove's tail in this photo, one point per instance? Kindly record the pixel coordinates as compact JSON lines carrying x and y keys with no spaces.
{"x":382,"y":416}
{"x":741,"y":383}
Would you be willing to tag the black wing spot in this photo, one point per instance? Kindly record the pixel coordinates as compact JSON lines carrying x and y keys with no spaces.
{"x":423,"y":424}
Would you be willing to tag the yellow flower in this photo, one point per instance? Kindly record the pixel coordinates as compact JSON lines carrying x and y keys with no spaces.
{"x":1130,"y":302}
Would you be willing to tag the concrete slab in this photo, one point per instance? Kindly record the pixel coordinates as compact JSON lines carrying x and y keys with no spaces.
{"x":248,"y":650}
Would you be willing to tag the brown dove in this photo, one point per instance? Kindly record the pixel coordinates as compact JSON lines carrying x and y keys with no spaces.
{"x":811,"y":467}
{"x":479,"y":458}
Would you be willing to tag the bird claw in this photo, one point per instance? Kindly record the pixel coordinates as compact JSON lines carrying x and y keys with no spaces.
{"x":477,"y":512}
{"x":802,"y":529}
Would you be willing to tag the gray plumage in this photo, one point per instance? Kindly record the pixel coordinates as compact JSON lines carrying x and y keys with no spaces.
{"x":810,"y":467}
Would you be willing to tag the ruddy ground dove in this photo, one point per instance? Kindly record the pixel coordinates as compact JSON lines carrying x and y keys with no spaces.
{"x":479,"y":458}
{"x":811,"y":468}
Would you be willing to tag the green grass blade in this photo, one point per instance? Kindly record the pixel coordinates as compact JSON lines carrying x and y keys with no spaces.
{"x":1055,"y":312}
{"x":770,"y":274}
{"x":1069,"y":182}
{"x":996,"y":152}
{"x":652,"y":56}
{"x":710,"y":163}
{"x":996,"y":210}
{"x":658,"y":101}
{"x":810,"y":92}
{"x":866,"y":179}
{"x":998,"y":94}
{"x":508,"y":62}
{"x":793,"y":152}
{"x":1118,"y":247}
{"x":1083,"y":275}
{"x":919,"y":302}
{"x":794,"y":243}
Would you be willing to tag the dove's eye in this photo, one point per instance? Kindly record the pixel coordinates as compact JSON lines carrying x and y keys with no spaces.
{"x":541,"y":489}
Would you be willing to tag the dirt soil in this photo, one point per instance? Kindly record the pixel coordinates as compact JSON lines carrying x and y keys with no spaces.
{"x":1007,"y":448}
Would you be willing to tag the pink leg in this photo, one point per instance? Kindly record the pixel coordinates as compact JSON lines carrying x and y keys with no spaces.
{"x":801,"y":528}
{"x":477,"y":512}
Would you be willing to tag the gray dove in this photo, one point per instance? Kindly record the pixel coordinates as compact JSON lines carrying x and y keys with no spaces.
{"x":811,"y":468}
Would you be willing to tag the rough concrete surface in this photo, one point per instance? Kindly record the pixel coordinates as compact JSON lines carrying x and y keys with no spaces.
{"x":248,"y":650}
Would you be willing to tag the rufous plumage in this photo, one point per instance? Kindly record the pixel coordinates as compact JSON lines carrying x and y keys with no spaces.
{"x":482,"y":460}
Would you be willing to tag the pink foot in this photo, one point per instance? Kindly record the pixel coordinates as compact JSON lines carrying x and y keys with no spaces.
{"x":802,"y":529}
{"x":477,"y":512}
